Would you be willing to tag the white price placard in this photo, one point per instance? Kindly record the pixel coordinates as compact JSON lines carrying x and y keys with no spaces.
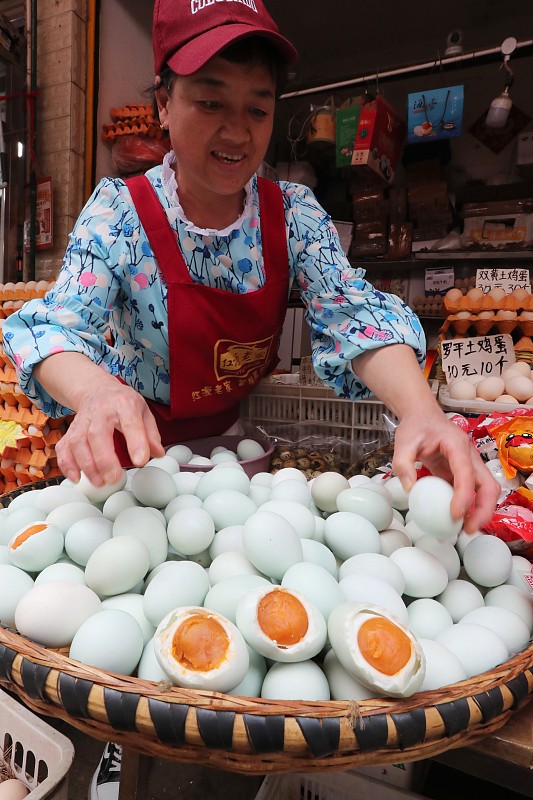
{"x":477,"y":356}
{"x":438,"y":281}
{"x":505,"y":278}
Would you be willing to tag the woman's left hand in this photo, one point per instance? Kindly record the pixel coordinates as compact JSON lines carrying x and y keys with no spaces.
{"x":446,"y":450}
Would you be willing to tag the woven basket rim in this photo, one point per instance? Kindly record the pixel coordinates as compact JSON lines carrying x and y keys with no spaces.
{"x":41,"y":676}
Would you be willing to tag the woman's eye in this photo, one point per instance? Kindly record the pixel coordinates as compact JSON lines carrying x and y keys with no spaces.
{"x":210,"y":105}
{"x":258,"y":112}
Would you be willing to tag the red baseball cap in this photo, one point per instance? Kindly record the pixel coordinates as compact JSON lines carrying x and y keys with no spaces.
{"x":187,"y":33}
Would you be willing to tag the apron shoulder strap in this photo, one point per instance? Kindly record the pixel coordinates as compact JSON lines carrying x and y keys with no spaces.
{"x":157,"y":228}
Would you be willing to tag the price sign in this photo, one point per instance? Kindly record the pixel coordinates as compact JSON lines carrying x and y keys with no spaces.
{"x":438,"y":281}
{"x":477,"y":356}
{"x":508,"y":279}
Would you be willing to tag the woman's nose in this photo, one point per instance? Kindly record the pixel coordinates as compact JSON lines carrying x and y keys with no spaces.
{"x":235,"y":128}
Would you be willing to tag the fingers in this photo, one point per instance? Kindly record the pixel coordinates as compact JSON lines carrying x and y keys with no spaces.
{"x":88,"y":445}
{"x":488,"y":491}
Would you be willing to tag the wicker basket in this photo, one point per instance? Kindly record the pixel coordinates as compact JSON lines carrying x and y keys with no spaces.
{"x":256,"y":736}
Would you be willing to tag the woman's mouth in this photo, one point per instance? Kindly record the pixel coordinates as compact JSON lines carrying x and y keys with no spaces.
{"x":226,"y":158}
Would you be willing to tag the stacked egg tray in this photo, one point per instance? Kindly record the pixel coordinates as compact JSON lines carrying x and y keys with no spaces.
{"x":480,"y":317}
{"x":29,"y":455}
{"x":253,"y":735}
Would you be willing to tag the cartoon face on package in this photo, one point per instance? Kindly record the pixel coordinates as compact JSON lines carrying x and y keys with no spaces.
{"x":514,"y":440}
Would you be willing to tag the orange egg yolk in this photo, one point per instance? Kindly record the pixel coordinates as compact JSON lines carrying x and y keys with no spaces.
{"x":27,"y":532}
{"x":282,"y":617}
{"x":200,"y":643}
{"x":384,"y":645}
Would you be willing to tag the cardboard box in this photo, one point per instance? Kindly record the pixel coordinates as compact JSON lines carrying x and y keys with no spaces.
{"x":499,"y":228}
{"x":380,"y":139}
{"x":346,"y":122}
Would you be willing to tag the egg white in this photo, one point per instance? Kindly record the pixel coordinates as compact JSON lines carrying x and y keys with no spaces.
{"x":247,"y":622}
{"x":230,"y":672}
{"x":343,"y":627}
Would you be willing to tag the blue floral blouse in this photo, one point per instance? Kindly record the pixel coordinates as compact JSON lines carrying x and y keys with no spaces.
{"x":109,"y":280}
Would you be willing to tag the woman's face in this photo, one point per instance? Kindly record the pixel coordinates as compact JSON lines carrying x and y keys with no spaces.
{"x":220,"y":122}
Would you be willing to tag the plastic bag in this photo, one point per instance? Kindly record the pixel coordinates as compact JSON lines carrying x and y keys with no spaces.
{"x":138,"y":153}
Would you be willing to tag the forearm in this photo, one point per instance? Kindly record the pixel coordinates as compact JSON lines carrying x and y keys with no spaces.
{"x":69,"y":377}
{"x":394,"y":375}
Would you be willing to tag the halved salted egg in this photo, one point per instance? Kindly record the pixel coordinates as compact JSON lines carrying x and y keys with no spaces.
{"x":374,"y":647}
{"x":200,"y":649}
{"x":281,"y":624}
{"x":36,"y":546}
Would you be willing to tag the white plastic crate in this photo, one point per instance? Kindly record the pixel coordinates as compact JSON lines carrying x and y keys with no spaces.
{"x":274,"y":404}
{"x":330,"y":786}
{"x":39,"y":755}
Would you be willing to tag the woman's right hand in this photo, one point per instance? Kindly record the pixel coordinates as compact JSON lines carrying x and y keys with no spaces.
{"x":88,"y":444}
{"x":102,"y":404}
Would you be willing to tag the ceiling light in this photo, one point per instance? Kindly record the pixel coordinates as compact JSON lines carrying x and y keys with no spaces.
{"x":498,"y":113}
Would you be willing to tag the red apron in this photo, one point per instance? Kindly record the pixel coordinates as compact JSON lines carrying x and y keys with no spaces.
{"x":220,"y":343}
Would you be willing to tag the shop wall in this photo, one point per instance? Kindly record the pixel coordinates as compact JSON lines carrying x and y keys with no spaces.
{"x":126,"y":65}
{"x":60,"y":116}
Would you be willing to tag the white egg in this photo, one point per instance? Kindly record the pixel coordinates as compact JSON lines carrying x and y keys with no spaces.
{"x":487,"y":561}
{"x":99,"y":494}
{"x":148,"y":668}
{"x":271,"y":543}
{"x":521,"y":567}
{"x":61,"y":572}
{"x":509,"y":626}
{"x":251,"y":684}
{"x":230,"y":564}
{"x":293,"y":491}
{"x":227,"y":539}
{"x":52,"y":496}
{"x":117,"y":565}
{"x":14,"y":583}
{"x":342,"y":685}
{"x":191,"y":530}
{"x":139,"y":522}
{"x":459,"y":597}
{"x":303,"y":680}
{"x":36,"y":546}
{"x":180,"y":453}
{"x":316,"y":584}
{"x":281,"y":624}
{"x":442,"y":666}
{"x":368,"y":503}
{"x":52,"y":612}
{"x":424,"y":574}
{"x":229,"y":507}
{"x":429,"y":504}
{"x":117,"y":503}
{"x":288,"y":474}
{"x":477,"y":647}
{"x":259,"y":494}
{"x":110,"y":639}
{"x":317,"y":553}
{"x":215,"y":480}
{"x":64,"y":516}
{"x":400,"y":498}
{"x":200,"y":649}
{"x":180,"y":583}
{"x":377,"y":565}
{"x":348,"y":534}
{"x":391,"y":540}
{"x":153,"y":486}
{"x":360,"y":588}
{"x":300,"y":517}
{"x":262,"y":479}
{"x":514,"y":599}
{"x":325,"y":489}
{"x":427,"y":617}
{"x":374,"y":647}
{"x":186,"y":482}
{"x":248,"y":449}
{"x":19,"y":518}
{"x":224,"y":596}
{"x":444,"y":551}
{"x":166,"y":462}
{"x":84,"y":536}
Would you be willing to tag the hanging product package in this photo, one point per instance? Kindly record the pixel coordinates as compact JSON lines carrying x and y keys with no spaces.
{"x":379,"y":139}
{"x":435,"y":114}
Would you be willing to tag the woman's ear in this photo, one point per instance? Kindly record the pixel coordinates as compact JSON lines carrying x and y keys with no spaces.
{"x":162,"y":99}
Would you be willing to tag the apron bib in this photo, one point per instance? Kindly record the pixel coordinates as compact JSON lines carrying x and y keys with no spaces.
{"x":220,"y":343}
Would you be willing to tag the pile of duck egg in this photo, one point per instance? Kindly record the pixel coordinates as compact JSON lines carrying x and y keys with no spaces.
{"x":273,"y":586}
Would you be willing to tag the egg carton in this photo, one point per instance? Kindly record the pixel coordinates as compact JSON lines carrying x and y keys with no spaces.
{"x":475,"y":325}
{"x":487,"y":303}
{"x":37,"y":754}
{"x":472,"y":406}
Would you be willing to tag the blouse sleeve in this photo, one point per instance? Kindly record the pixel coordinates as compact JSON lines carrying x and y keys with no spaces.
{"x":74,"y":314}
{"x":346,"y":314}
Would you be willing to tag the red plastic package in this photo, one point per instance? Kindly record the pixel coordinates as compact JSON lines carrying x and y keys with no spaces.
{"x":138,"y":153}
